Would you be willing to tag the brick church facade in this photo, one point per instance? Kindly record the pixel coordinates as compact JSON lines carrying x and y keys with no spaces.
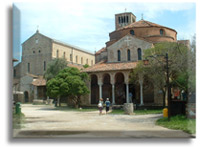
{"x":110,"y":75}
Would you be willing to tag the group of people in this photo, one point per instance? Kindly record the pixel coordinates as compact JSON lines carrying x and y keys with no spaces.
{"x":101,"y":105}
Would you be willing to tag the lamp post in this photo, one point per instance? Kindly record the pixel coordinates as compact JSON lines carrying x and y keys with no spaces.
{"x":146,"y":62}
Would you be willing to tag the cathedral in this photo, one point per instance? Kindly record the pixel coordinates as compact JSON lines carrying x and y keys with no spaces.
{"x":109,"y":68}
{"x":114,"y":62}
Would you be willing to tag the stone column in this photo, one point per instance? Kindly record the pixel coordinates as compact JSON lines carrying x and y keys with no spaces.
{"x":100,"y":90}
{"x":100,"y":83}
{"x":112,"y":81}
{"x":113,"y":93}
{"x":141,"y":89}
{"x":127,"y":93}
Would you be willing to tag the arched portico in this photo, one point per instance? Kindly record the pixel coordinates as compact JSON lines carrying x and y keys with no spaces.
{"x":106,"y":87}
{"x":94,"y":89}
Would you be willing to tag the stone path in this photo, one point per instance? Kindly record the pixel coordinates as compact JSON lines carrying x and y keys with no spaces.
{"x":45,"y":121}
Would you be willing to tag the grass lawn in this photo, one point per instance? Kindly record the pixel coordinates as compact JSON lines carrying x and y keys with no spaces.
{"x":138,"y":112}
{"x":179,"y":122}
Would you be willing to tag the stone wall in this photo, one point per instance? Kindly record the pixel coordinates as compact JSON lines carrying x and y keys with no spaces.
{"x":77,"y":56}
{"x":36,"y":51}
{"x":121,"y":45}
{"x":148,"y":33}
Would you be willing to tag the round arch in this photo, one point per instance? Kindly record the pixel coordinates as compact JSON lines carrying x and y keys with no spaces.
{"x":26,"y":96}
{"x":120,"y":88}
{"x":94,"y":89}
{"x":107,"y":87}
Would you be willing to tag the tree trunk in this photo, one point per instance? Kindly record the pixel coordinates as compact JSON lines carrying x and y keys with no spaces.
{"x":59,"y":101}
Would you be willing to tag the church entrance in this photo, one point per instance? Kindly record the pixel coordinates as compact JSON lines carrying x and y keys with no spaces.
{"x":94,"y":90}
{"x":26,"y":98}
{"x":120,"y":89}
{"x":107,"y":88}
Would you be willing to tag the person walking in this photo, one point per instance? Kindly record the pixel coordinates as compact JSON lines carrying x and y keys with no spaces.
{"x":100,"y":106}
{"x":107,"y":105}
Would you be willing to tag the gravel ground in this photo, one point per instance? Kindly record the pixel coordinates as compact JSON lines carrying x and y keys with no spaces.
{"x":45,"y":121}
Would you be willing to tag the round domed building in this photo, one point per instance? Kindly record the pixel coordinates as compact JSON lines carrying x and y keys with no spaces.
{"x":110,"y":74}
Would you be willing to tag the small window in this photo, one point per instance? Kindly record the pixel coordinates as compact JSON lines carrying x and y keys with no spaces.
{"x":119,"y":55}
{"x":64,"y":55}
{"x":36,"y":41}
{"x":57,"y":54}
{"x":132,"y":32}
{"x":81,"y":60}
{"x":161,"y":31}
{"x":127,"y":19}
{"x":119,"y":20}
{"x":128,"y":55}
{"x":28,"y":67}
{"x":70,"y":57}
{"x":33,"y":51}
{"x":87,"y":61}
{"x":139,"y":54}
{"x":77,"y":59}
{"x":39,"y":51}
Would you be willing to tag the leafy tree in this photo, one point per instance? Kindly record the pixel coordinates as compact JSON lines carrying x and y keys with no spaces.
{"x":69,"y":82}
{"x":54,"y":67}
{"x":156,"y":69}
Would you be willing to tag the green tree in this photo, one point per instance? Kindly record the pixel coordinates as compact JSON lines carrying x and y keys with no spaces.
{"x":54,"y":67}
{"x":85,"y":66}
{"x":69,"y":82}
{"x":156,"y":69}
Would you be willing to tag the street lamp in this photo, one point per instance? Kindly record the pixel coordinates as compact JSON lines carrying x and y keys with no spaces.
{"x":146,"y":62}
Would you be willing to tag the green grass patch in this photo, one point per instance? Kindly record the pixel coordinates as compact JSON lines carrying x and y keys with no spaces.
{"x":137,"y":112}
{"x":179,"y":123}
{"x":18,"y":120}
{"x":66,"y":108}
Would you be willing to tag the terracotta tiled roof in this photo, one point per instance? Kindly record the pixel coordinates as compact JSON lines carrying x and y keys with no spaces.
{"x":100,"y":51}
{"x":39,"y":82}
{"x":111,"y":67}
{"x":143,"y":23}
{"x":76,"y":66}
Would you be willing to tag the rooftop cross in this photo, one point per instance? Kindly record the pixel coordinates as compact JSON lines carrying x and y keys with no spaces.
{"x":127,"y":40}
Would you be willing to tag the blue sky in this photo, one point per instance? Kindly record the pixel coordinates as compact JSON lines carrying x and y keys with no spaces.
{"x":88,"y":24}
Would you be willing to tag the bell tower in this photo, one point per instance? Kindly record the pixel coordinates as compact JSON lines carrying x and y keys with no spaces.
{"x":124,"y":19}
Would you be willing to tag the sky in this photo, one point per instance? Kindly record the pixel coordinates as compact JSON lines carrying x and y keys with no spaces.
{"x":88,"y":24}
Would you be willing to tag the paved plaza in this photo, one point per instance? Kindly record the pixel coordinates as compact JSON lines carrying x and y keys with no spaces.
{"x":45,"y":121}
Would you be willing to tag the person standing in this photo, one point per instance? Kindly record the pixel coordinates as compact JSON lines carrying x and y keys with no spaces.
{"x":100,"y":106}
{"x":107,"y":105}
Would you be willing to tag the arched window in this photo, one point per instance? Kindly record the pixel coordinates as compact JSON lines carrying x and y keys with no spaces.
{"x":76,"y":59}
{"x":119,"y":55}
{"x":128,"y":55}
{"x":57,"y":54}
{"x":161,"y":31}
{"x":64,"y":55}
{"x":81,"y":60}
{"x":86,"y":61}
{"x":70,"y":57}
{"x":29,"y":67}
{"x":91,"y":62}
{"x":127,"y":19}
{"x":119,"y":20}
{"x":132,"y":32}
{"x":139,"y":54}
